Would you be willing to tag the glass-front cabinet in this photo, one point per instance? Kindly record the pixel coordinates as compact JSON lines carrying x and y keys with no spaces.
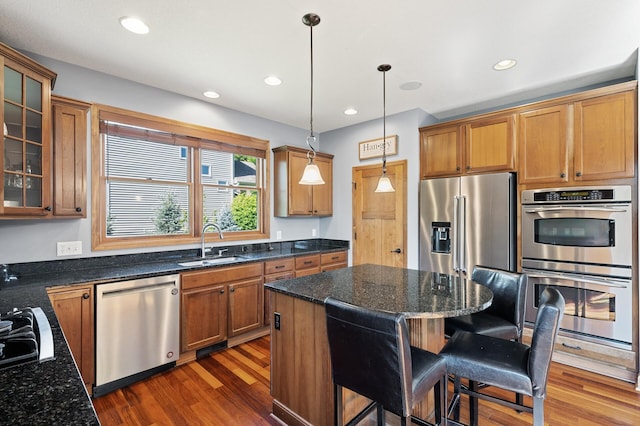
{"x":26,"y":149}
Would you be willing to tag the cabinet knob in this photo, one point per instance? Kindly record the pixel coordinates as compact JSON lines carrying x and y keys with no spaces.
{"x":232,"y":290}
{"x":578,"y":174}
{"x":86,"y":296}
{"x":221,"y":291}
{"x":458,"y":169}
{"x":563,"y":175}
{"x":48,"y":208}
{"x":468,"y":167}
{"x":78,"y":209}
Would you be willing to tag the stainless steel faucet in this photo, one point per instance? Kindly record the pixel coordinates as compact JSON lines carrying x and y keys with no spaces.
{"x":5,"y":276}
{"x":204,"y":230}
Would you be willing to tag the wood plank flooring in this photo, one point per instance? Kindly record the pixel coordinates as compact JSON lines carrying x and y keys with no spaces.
{"x":231,"y":387}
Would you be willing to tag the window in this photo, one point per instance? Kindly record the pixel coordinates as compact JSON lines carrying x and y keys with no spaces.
{"x":148,"y":193}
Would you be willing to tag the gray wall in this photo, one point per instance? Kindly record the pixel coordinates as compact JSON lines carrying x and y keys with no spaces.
{"x":35,"y":240}
{"x":343,"y":143}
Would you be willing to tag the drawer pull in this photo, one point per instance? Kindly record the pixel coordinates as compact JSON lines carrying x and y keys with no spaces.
{"x":279,"y":266}
{"x":335,"y":257}
{"x":307,"y":262}
{"x":566,"y":345}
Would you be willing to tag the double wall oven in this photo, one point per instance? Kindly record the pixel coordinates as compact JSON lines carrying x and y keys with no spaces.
{"x":579,"y":240}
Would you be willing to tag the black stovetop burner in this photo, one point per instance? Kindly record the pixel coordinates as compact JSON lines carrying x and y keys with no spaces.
{"x":25,"y":336}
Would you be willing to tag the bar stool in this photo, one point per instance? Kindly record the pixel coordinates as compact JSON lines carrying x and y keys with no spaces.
{"x":371,"y":355}
{"x":505,"y":317}
{"x":506,"y":364}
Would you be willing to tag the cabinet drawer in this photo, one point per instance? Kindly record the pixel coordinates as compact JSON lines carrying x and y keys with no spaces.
{"x":311,"y":261}
{"x":337,"y":257}
{"x":277,"y":277}
{"x":589,"y":350}
{"x":220,"y":275}
{"x":280,"y":265}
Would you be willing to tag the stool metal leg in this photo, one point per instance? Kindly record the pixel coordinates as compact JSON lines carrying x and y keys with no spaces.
{"x":473,"y":404}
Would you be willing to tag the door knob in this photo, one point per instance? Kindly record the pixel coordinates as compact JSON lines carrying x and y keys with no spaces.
{"x":396,"y":251}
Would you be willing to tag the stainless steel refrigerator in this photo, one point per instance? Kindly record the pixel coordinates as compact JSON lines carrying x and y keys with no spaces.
{"x":468,"y":221}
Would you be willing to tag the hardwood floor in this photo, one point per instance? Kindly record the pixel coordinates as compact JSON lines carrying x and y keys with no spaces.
{"x":231,"y":387}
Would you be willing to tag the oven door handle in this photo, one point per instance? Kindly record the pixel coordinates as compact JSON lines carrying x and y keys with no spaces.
{"x":607,"y":283}
{"x":574,"y":209}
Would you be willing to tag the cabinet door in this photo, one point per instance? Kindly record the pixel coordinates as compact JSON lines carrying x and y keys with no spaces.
{"x":300,"y":196}
{"x":26,"y":147}
{"x":245,"y":306}
{"x":440,"y":152}
{"x":323,"y":194}
{"x":204,"y":317}
{"x":604,"y":137}
{"x":543,"y":145}
{"x":490,"y":144}
{"x":74,"y":310}
{"x":69,"y":157}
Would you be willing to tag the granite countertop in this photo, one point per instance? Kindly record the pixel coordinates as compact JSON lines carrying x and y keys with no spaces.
{"x":52,"y":392}
{"x":417,"y":294}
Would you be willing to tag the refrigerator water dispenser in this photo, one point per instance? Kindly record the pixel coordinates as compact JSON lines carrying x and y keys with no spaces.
{"x":441,"y":237}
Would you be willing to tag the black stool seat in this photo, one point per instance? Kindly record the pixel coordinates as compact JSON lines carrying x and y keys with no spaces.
{"x":506,"y":364}
{"x":483,"y":323}
{"x":371,"y":355}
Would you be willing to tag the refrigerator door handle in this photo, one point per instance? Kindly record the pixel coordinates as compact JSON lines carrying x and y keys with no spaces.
{"x":456,"y":233}
{"x":462,"y":242}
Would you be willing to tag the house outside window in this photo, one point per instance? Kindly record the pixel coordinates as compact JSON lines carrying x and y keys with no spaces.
{"x":148,"y":194}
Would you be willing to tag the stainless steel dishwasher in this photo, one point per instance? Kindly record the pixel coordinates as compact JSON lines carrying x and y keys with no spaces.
{"x":137,"y":330}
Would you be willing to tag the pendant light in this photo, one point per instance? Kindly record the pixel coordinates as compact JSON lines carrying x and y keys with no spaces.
{"x":311,"y":174}
{"x":384,"y":184}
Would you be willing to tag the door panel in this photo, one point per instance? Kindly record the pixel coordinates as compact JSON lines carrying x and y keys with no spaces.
{"x":379,"y":219}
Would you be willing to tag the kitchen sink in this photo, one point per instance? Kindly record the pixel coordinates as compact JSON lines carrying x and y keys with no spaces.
{"x":212,"y":261}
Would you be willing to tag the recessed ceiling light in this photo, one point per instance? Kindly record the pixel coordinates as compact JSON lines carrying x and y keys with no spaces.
{"x":411,"y":85}
{"x":350,"y":111}
{"x":134,"y":25}
{"x":504,"y":64}
{"x":211,"y":94}
{"x":272,"y":80}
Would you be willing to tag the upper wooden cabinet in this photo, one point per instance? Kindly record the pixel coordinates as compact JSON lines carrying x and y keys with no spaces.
{"x":589,"y":139}
{"x":544,"y":149}
{"x":25,"y":109}
{"x":69,"y":157}
{"x":604,"y":131}
{"x":476,"y":146}
{"x":293,"y":199}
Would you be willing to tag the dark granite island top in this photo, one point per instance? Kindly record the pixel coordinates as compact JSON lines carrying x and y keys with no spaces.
{"x":301,"y":383}
{"x":417,"y":294}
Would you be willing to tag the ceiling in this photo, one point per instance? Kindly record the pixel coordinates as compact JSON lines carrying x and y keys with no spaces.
{"x":447,"y":46}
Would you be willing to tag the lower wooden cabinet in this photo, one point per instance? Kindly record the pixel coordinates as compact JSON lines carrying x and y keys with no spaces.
{"x":307,"y":265}
{"x":331,"y":261}
{"x":74,"y":309}
{"x":219,"y":303}
{"x":275,"y":270}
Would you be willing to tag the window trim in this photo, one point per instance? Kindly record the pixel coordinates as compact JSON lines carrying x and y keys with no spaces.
{"x":190,"y":135}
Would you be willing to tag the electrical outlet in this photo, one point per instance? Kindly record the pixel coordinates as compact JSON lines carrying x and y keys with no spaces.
{"x":278,"y":235}
{"x":69,"y":248}
{"x":276,"y":320}
{"x":314,"y":232}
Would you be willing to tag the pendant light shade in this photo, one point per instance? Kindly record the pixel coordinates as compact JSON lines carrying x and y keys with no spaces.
{"x":311,"y":174}
{"x":384,"y":183}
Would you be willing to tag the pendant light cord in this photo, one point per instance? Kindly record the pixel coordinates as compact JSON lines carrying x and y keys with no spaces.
{"x":384,"y":122}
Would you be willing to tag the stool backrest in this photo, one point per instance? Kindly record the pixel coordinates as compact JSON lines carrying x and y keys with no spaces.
{"x":370,"y":354}
{"x":509,"y":293}
{"x":543,"y":339}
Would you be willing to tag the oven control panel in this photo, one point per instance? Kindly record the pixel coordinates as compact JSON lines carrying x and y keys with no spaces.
{"x":620,"y":193}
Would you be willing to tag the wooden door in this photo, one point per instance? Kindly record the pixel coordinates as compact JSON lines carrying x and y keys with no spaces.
{"x":379,"y":219}
{"x":604,"y":137}
{"x":544,"y":145}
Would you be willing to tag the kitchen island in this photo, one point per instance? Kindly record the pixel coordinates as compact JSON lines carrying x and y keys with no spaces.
{"x":301,"y":383}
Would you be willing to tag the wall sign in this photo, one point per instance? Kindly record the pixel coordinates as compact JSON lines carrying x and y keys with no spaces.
{"x":373,"y":148}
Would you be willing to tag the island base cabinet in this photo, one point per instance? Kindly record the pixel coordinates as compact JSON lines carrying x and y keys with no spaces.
{"x":301,"y":382}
